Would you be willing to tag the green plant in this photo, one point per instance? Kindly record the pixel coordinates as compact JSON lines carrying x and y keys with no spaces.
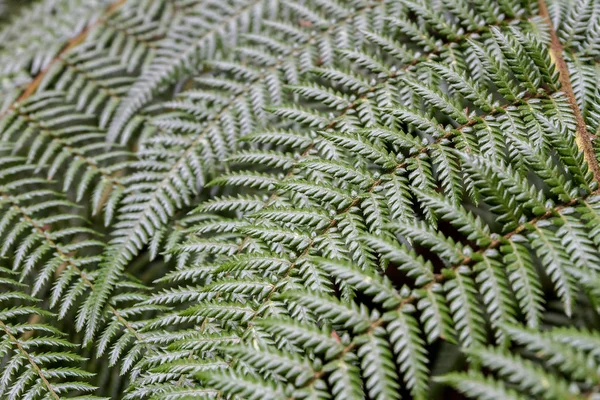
{"x":300,"y":199}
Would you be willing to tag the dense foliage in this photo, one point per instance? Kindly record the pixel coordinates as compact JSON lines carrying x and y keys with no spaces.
{"x":300,"y":199}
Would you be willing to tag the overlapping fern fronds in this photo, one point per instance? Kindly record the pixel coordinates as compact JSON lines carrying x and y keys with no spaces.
{"x":348,"y":200}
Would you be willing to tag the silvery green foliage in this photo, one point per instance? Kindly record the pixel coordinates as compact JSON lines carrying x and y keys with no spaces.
{"x":300,"y":199}
{"x":35,"y":35}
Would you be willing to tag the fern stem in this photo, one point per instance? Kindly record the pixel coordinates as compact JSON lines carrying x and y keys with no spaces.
{"x":33,"y":85}
{"x":30,"y":360}
{"x":584,"y":138}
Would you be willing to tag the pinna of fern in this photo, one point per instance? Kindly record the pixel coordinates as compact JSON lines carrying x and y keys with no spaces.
{"x":40,"y":361}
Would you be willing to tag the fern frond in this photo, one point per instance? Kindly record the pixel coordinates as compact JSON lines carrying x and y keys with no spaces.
{"x":331,"y":199}
{"x":38,"y":361}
